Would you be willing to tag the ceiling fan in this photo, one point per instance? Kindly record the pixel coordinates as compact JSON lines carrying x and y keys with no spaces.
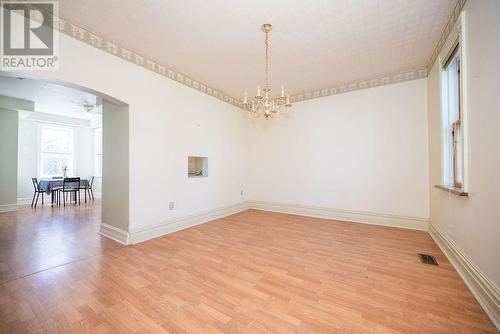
{"x":87,"y":106}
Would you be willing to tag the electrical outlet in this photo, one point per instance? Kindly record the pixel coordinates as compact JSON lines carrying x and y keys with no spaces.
{"x":171,"y":206}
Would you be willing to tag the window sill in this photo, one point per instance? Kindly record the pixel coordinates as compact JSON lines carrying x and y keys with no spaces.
{"x":453,"y":190}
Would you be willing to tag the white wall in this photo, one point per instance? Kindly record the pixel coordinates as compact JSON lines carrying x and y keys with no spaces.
{"x":29,"y":147}
{"x":473,"y":223}
{"x":365,"y":151}
{"x":27,"y":158}
{"x":115,"y":167}
{"x":168,"y":122}
{"x":84,"y":152}
{"x":8,"y":158}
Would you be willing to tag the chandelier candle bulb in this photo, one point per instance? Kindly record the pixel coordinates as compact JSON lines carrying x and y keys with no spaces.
{"x":245,"y":98}
{"x":282,"y":91}
{"x":258,"y":91}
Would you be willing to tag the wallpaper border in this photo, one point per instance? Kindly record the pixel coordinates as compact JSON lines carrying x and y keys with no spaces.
{"x":361,"y":84}
{"x":99,"y":42}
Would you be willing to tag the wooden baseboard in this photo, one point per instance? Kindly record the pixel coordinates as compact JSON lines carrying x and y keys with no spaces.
{"x":485,"y":291}
{"x":114,"y":233}
{"x":415,"y":223}
{"x":177,"y":224}
{"x":8,"y":207}
{"x":24,"y":200}
{"x":184,"y":222}
{"x":170,"y":226}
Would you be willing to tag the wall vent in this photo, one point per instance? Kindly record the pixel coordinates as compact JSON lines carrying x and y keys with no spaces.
{"x":428,"y":259}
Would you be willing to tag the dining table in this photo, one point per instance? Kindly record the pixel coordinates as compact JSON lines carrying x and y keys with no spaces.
{"x":49,"y":185}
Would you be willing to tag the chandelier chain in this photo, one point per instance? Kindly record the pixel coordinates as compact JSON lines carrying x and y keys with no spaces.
{"x":267,"y":60}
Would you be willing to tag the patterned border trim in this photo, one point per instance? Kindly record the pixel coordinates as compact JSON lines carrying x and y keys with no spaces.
{"x":446,"y":32}
{"x":357,"y":85}
{"x":96,"y":41}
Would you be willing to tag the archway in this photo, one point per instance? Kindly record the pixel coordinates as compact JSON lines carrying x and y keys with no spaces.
{"x":115,"y":157}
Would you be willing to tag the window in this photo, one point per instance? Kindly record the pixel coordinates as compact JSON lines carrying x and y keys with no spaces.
{"x":453,"y":122}
{"x":98,"y":152}
{"x":56,"y":151}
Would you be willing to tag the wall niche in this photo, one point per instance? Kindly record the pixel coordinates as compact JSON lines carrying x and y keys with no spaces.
{"x":197,"y":166}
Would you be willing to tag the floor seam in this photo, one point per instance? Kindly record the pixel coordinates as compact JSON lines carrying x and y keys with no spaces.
{"x":59,"y":265}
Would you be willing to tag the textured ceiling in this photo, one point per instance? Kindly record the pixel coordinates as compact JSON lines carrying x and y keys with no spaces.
{"x":314,"y":44}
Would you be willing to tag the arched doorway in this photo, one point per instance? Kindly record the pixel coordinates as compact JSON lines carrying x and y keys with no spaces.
{"x":32,"y":246}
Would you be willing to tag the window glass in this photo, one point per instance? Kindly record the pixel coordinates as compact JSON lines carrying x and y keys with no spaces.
{"x":453,"y":159}
{"x":56,"y":151}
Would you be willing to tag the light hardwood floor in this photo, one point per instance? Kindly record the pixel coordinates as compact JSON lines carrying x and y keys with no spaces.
{"x":32,"y":240}
{"x":253,"y":272}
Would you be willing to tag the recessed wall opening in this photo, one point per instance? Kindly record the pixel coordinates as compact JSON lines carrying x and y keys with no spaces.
{"x":197,"y":166}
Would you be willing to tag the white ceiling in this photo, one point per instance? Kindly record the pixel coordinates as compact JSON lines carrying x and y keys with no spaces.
{"x":315,"y":44}
{"x":51,"y":98}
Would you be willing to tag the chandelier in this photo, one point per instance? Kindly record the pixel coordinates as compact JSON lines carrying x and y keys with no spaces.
{"x":262,"y":104}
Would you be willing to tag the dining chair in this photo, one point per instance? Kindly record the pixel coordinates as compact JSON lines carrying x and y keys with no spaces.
{"x":54,"y":190}
{"x":37,"y":192}
{"x":88,"y":187}
{"x":71,"y":185}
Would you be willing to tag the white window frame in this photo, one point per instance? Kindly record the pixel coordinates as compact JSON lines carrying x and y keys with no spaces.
{"x":97,"y":152}
{"x":69,"y":129}
{"x":448,"y":130}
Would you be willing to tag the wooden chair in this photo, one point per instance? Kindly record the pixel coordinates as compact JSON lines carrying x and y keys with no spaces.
{"x":71,"y":185}
{"x":36,"y":193}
